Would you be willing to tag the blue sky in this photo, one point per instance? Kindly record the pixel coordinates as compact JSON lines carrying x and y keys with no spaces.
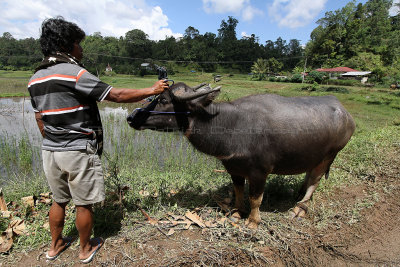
{"x":267,"y":19}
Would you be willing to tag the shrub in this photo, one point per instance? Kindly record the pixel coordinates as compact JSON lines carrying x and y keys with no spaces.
{"x":296,"y":78}
{"x":315,"y":76}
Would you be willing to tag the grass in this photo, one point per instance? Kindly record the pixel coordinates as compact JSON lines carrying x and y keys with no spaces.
{"x":166,"y":174}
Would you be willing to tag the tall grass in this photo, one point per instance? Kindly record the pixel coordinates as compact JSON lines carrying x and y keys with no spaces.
{"x":157,"y":163}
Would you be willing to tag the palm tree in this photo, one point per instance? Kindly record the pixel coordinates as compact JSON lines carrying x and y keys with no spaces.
{"x":260,"y":69}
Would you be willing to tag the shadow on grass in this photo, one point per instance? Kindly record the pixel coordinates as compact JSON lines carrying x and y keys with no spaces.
{"x":280,"y":195}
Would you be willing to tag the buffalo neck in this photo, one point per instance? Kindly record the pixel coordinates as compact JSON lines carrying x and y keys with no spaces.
{"x":208,"y":133}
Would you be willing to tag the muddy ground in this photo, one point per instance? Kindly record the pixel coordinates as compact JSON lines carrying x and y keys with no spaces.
{"x":355,"y":225}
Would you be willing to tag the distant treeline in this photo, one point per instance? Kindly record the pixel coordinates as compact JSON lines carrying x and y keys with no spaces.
{"x":361,"y":36}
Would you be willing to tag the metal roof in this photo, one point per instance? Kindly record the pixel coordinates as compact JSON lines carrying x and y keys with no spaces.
{"x":337,"y":69}
{"x":356,"y":73}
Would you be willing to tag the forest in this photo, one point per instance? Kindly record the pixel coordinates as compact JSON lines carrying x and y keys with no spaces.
{"x":365,"y":37}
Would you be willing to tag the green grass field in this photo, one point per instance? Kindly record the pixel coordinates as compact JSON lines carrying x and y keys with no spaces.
{"x":161,"y":163}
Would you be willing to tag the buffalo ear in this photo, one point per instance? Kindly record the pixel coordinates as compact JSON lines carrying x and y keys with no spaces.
{"x":202,"y":104}
{"x":207,"y":99}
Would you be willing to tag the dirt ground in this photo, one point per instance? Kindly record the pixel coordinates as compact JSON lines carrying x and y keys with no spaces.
{"x":362,"y":229}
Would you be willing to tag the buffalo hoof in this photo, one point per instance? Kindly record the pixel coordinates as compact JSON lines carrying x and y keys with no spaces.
{"x":236,"y":216}
{"x":299,"y":211}
{"x":251,"y":224}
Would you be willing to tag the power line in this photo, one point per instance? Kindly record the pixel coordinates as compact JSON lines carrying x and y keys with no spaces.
{"x":156,"y":60}
{"x":189,"y":61}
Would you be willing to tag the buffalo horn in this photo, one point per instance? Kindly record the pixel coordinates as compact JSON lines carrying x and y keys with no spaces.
{"x":199,"y":86}
{"x":179,"y":96}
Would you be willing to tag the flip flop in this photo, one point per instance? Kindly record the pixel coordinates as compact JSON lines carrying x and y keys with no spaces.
{"x":68,"y":243}
{"x":90,"y":258}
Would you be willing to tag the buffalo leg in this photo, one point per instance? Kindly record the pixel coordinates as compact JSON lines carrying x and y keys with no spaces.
{"x":238,"y":186}
{"x":256,"y":191}
{"x":311,"y":182}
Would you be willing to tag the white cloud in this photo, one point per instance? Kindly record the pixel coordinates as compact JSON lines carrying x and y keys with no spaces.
{"x":224,"y":6}
{"x":295,"y":13}
{"x":250,"y":12}
{"x":239,"y":7}
{"x":110,"y":17}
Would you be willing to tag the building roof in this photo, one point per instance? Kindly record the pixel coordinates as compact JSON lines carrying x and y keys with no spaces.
{"x":356,"y":73}
{"x":337,"y":69}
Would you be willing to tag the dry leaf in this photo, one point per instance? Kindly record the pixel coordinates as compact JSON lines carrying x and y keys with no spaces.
{"x":195,"y":218}
{"x":29,"y":201}
{"x":3,"y":205}
{"x":210,"y":224}
{"x":222,"y":221}
{"x":188,"y":224}
{"x":45,"y":198}
{"x":46,"y":225}
{"x":148,"y":218}
{"x":172,"y":193}
{"x":17,"y":226}
{"x":5,"y":214}
{"x":234,"y":224}
{"x":6,"y":240}
{"x":170,"y":232}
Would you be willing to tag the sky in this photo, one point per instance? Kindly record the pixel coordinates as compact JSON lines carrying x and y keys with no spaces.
{"x":266,"y":19}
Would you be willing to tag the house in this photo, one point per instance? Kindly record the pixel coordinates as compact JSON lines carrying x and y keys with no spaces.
{"x":335,"y":72}
{"x":108,"y":68}
{"x":358,"y":75}
{"x":146,"y":66}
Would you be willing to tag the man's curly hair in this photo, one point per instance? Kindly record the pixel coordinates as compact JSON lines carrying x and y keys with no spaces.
{"x":59,"y":35}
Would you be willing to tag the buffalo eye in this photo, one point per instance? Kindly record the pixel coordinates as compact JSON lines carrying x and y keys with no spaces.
{"x":164,"y":101}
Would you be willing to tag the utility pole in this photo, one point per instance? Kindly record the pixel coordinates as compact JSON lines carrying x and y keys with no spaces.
{"x":304,"y":70}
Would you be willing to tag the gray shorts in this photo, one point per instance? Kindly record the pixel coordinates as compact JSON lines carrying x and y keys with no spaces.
{"x":75,"y":175}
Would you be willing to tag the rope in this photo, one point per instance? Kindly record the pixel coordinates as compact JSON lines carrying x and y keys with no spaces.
{"x":161,"y":112}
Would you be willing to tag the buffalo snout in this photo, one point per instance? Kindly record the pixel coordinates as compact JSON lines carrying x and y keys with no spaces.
{"x":137,"y":118}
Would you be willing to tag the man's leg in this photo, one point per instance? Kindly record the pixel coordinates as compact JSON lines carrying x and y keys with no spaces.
{"x":56,"y":221}
{"x":84,"y":224}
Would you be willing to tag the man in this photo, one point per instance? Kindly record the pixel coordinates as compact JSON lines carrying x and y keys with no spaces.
{"x":64,"y":96}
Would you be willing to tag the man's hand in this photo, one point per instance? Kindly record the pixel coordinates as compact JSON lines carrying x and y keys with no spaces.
{"x":160,"y":86}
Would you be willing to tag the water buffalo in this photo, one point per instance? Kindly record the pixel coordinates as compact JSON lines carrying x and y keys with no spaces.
{"x":254,"y":136}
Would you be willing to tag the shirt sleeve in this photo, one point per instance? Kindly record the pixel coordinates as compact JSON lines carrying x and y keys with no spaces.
{"x":91,"y":86}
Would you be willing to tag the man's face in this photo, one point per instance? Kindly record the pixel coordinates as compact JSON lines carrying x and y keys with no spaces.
{"x":77,"y":51}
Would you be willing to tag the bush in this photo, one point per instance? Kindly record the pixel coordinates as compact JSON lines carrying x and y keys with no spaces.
{"x":315,"y":76}
{"x":272,"y":79}
{"x":335,"y":89}
{"x":297,"y":78}
{"x":311,"y":88}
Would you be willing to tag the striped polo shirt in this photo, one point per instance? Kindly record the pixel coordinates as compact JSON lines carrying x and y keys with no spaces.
{"x":65,"y":95}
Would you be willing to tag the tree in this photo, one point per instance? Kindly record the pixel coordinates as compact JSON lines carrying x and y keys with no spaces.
{"x":260,"y":69}
{"x":365,"y":61}
{"x":274,"y":65}
{"x":191,"y":33}
{"x":137,"y":44}
{"x":227,"y":39}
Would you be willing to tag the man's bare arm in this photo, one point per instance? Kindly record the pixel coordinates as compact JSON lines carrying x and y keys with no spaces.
{"x":39,"y":122}
{"x":124,"y":95}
